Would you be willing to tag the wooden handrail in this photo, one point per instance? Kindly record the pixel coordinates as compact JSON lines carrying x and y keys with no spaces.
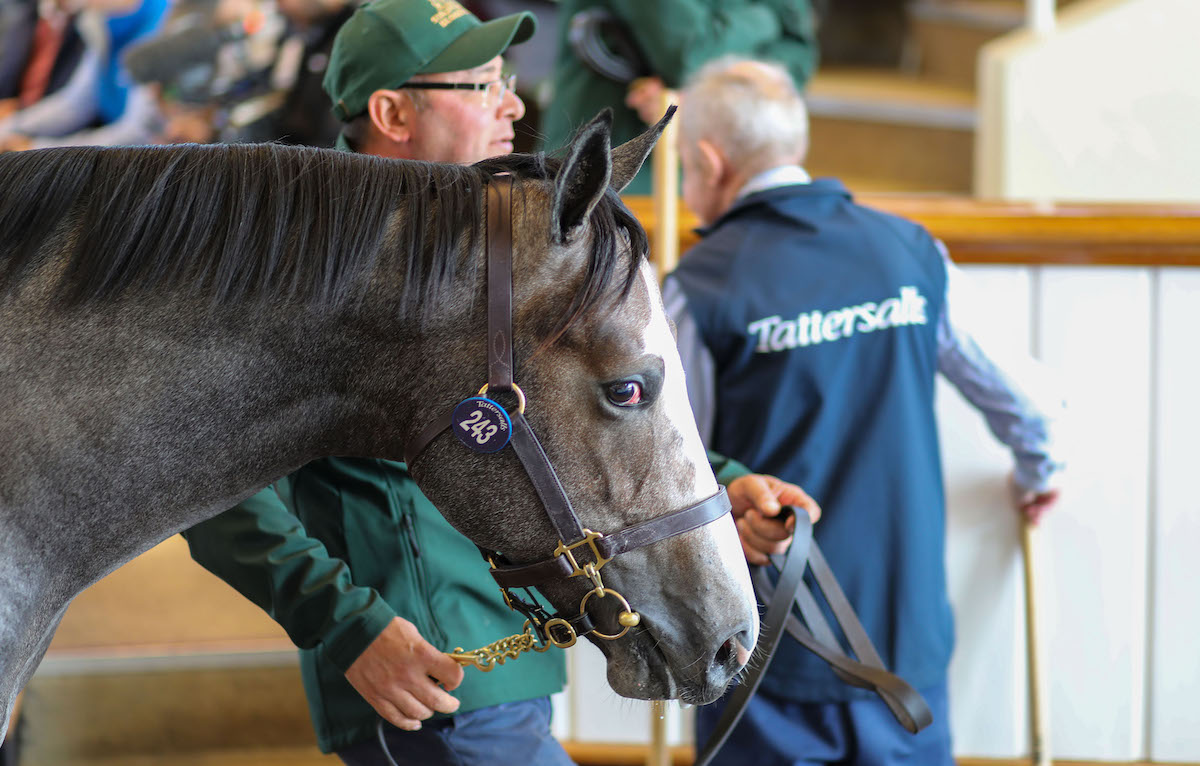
{"x":978,"y":231}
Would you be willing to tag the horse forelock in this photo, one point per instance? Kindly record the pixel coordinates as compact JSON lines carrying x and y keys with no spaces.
{"x":617,"y":244}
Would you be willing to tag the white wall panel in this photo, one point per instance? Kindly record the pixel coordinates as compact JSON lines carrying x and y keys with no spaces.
{"x":1095,"y":327}
{"x":599,"y":714}
{"x":560,"y":724}
{"x":1174,"y":703}
{"x":982,"y":554}
{"x":1120,"y":627}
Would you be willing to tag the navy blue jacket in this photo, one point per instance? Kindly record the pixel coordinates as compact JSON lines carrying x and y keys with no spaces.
{"x":821,"y":316}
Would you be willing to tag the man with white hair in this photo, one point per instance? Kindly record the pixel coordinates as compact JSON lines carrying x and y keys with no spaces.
{"x":811,"y":329}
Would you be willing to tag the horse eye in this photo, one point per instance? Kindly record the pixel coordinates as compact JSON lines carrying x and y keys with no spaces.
{"x":627,"y":393}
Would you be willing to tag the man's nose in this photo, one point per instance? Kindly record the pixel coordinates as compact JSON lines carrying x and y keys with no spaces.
{"x":511,"y":106}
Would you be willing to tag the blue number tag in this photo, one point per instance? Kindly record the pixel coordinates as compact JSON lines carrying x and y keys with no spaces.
{"x":481,"y":424}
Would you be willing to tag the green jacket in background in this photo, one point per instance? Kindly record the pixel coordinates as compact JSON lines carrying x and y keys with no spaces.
{"x":676,"y":37}
{"x":337,"y":549}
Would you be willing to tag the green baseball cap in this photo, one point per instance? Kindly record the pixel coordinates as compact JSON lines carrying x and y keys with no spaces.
{"x":386,"y":42}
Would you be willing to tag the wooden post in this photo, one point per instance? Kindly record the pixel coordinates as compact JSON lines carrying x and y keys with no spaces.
{"x":660,"y":754}
{"x":1040,"y":16}
{"x":664,"y":252}
{"x":13,"y":718}
{"x":1039,"y":703}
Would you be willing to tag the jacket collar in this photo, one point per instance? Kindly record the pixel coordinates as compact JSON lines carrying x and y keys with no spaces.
{"x":778,"y":197}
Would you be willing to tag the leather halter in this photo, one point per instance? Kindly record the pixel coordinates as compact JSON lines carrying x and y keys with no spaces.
{"x":580,"y":551}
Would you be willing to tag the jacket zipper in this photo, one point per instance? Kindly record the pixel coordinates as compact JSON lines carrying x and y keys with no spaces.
{"x":408,"y":528}
{"x":410,"y":531}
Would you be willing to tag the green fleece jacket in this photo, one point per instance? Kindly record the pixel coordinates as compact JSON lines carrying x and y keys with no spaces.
{"x":336,"y":550}
{"x":676,"y":37}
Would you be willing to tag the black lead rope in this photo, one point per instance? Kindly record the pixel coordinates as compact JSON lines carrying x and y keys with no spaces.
{"x":790,"y":580}
{"x":383,"y":743}
{"x":868,"y":671}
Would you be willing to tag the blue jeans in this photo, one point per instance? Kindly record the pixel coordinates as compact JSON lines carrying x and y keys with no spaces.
{"x":776,"y":732}
{"x":501,"y":735}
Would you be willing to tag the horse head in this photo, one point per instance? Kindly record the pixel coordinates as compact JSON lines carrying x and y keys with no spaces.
{"x":184,"y":325}
{"x":603,"y":389}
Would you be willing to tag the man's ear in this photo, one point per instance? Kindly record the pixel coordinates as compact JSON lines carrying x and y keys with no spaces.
{"x":391,"y":115}
{"x":714,"y":165}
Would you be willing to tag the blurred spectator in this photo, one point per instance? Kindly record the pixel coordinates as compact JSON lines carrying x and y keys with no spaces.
{"x":189,"y":73}
{"x":622,"y":53}
{"x":305,"y":117}
{"x":39,"y":49}
{"x":243,"y":70}
{"x":96,"y":105}
{"x":18,"y":18}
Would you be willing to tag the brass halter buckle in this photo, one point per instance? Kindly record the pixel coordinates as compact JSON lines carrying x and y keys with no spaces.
{"x":560,"y":632}
{"x":591,"y":570}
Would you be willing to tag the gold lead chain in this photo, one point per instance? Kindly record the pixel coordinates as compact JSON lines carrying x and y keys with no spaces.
{"x":497,"y":652}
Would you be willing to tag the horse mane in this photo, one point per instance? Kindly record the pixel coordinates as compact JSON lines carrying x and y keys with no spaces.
{"x":264,"y":222}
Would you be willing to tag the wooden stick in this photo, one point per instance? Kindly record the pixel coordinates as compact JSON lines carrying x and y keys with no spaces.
{"x":664,"y":253}
{"x":1039,"y":702}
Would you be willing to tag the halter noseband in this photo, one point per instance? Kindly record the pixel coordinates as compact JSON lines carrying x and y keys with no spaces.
{"x":580,"y":551}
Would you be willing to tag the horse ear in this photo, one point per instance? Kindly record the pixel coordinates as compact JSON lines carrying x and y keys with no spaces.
{"x":584,"y":176}
{"x":627,"y":158}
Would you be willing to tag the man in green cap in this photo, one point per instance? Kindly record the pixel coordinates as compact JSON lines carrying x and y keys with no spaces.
{"x":348,"y":556}
{"x":423,"y":80}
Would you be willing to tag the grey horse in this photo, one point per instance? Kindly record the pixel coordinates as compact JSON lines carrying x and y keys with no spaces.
{"x":179,"y":326}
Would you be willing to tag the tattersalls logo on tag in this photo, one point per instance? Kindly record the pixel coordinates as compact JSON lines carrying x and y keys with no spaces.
{"x":775,"y":333}
{"x":446,"y":12}
{"x":481,"y":424}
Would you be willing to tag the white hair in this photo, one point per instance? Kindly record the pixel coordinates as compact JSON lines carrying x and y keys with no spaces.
{"x":751,"y":109}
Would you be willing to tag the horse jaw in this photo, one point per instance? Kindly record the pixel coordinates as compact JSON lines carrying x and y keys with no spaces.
{"x":711,"y":578}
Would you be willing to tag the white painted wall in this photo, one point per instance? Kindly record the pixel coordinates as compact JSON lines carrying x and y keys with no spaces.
{"x":1173,"y":698}
{"x":1106,"y":107}
{"x":1120,"y":566}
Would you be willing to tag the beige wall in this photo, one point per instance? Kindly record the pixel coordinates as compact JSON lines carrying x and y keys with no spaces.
{"x":1107,"y":107}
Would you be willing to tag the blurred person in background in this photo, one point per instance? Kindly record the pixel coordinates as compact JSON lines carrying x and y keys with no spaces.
{"x":624,"y":53}
{"x":41,"y":47}
{"x":97,"y":104}
{"x":252,"y":68}
{"x":304,"y":118}
{"x":18,"y":22}
{"x":811,"y":330}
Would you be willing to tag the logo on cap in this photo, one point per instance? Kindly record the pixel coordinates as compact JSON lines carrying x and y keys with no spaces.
{"x":446,"y":11}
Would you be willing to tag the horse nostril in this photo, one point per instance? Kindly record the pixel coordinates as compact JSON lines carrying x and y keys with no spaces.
{"x":723,"y":654}
{"x":735,"y":651}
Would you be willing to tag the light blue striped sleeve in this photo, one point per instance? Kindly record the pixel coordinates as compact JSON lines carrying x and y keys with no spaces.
{"x":1022,"y":415}
{"x":699,"y":367}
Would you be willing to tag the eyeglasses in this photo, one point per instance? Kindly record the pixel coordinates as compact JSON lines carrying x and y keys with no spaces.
{"x":493,"y":90}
